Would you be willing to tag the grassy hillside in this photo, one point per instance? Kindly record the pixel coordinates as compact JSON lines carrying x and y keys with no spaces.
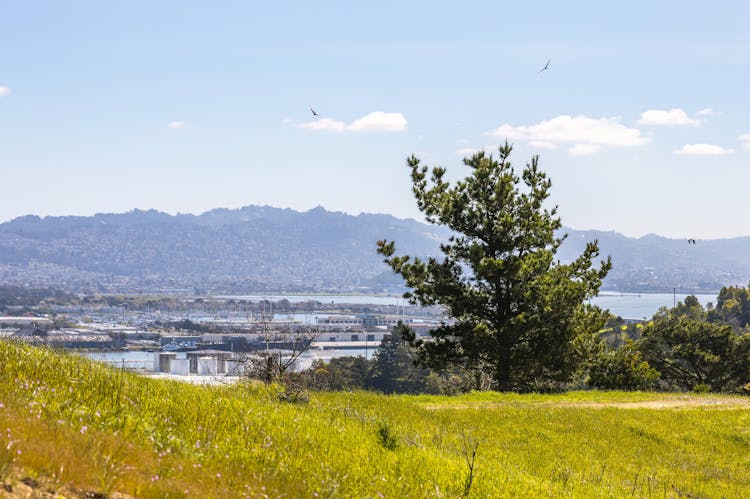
{"x":68,"y":424}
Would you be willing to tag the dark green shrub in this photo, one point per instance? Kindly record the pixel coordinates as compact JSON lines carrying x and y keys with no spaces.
{"x":386,"y":436}
{"x":621,"y":369}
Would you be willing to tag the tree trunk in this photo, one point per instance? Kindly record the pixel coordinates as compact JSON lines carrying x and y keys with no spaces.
{"x":272,"y":369}
{"x":502,"y":370}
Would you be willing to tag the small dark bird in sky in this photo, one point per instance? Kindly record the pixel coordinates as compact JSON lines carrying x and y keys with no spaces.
{"x":313,"y":111}
{"x":691,"y":241}
{"x":546,"y":66}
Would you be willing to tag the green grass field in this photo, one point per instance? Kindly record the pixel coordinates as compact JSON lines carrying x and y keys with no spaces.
{"x":67,"y":424}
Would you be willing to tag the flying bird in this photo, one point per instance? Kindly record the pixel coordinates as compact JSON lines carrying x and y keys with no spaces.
{"x":691,"y":241}
{"x":546,"y":66}
{"x":313,"y":111}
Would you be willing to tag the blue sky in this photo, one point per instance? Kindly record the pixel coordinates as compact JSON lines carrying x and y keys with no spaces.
{"x":642,"y":119}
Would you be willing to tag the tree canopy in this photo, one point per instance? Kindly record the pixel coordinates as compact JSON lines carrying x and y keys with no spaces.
{"x":732,"y":307}
{"x":515,"y":309}
{"x":393,"y":367}
{"x":690,"y":351}
{"x":695,"y":348}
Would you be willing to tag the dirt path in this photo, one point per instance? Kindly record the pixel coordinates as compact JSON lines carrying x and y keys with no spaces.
{"x":671,"y":402}
{"x":14,"y":488}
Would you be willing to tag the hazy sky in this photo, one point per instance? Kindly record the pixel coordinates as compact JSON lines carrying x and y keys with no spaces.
{"x":642,"y":119}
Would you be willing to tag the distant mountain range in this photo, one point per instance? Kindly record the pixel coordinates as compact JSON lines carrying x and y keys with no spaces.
{"x":264,"y":249}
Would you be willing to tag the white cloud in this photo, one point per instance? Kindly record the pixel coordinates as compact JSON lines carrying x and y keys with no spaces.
{"x":707,"y":112}
{"x":176,"y":125}
{"x":582,"y":131}
{"x":4,"y":91}
{"x":662,"y":117}
{"x":584,"y":149}
{"x":324,"y":124}
{"x":377,"y":121}
{"x":541,"y":144}
{"x":287,"y":120}
{"x":380,"y":122}
{"x":703,"y":150}
{"x":745,"y":138}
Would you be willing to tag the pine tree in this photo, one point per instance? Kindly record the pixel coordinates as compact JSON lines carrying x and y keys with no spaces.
{"x":516,"y":309}
{"x":393,"y":366}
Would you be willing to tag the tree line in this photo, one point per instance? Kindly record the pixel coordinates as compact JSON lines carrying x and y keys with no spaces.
{"x":685,"y":348}
{"x":521,"y":318}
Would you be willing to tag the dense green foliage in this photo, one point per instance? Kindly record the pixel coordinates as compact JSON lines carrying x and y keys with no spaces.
{"x":345,"y":373}
{"x":394,"y":370}
{"x":689,"y":352}
{"x":695,"y":348}
{"x":517,"y":310}
{"x":732,"y":307}
{"x":18,"y":296}
{"x":620,"y":369}
{"x":391,"y":370}
{"x":687,"y":347}
{"x":83,"y":425}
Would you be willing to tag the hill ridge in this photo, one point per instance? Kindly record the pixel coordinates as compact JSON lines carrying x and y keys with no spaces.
{"x":265,"y":248}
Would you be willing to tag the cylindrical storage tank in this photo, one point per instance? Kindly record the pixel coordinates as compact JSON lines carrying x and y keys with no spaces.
{"x":221,"y":365}
{"x":165,"y":361}
{"x":207,"y":366}
{"x":180,"y":367}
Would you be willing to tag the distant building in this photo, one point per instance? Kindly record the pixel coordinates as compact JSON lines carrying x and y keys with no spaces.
{"x":372,"y":321}
{"x":42,"y":322}
{"x":63,"y":338}
{"x":333,"y":337}
{"x":339,"y":321}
